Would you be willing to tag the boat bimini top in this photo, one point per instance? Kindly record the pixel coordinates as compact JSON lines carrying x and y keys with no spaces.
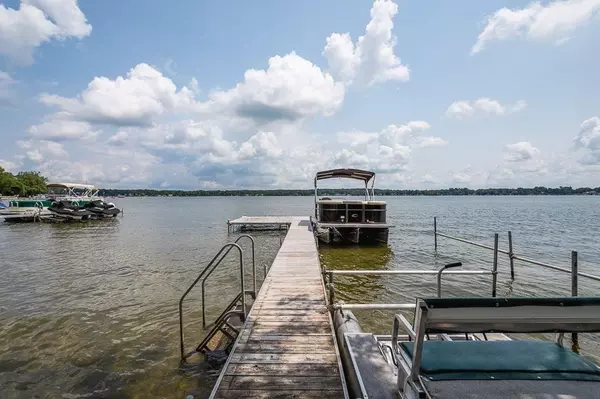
{"x":347,"y":173}
{"x":89,"y":190}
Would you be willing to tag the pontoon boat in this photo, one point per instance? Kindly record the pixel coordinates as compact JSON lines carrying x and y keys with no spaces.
{"x":28,"y":210}
{"x":346,"y":220}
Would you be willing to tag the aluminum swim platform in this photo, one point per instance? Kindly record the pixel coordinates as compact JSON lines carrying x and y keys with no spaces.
{"x":287,"y":347}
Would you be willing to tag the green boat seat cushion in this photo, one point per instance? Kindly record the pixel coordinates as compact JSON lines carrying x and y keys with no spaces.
{"x":515,"y":360}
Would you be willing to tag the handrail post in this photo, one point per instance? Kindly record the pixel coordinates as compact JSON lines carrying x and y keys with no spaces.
{"x":242,"y":281}
{"x":435,"y":232}
{"x":253,"y":266}
{"x":495,"y":266}
{"x":511,"y":256}
{"x":439,"y":276}
{"x":574,"y":292}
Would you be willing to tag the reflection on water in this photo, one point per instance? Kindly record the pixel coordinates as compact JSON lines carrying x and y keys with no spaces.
{"x":90,"y":310}
{"x":368,"y":288}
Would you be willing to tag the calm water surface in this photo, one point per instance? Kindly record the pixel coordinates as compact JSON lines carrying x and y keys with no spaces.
{"x":90,"y":310}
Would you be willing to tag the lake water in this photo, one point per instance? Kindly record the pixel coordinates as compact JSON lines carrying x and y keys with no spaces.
{"x":90,"y":310}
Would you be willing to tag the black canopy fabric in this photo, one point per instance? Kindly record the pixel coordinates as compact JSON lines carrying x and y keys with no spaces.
{"x":357,"y":174}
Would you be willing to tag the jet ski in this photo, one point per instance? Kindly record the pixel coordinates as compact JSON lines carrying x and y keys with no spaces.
{"x":102,"y":210}
{"x":65,"y":209}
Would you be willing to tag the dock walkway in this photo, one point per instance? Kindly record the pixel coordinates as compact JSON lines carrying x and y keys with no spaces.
{"x":287,"y":347}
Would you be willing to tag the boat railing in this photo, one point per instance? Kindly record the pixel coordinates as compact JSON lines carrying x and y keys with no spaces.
{"x":351,"y":213}
{"x":330,"y":284}
{"x":241,"y":297}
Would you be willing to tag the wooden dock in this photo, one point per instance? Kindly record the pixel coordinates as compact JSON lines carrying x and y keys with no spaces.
{"x":287,"y":347}
{"x":257,"y":223}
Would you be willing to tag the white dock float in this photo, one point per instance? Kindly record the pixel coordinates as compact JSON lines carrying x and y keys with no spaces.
{"x":287,"y":347}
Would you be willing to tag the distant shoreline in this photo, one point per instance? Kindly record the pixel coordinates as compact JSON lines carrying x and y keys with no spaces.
{"x":351,"y":192}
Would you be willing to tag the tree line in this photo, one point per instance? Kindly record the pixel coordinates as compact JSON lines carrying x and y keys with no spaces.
{"x":32,"y":183}
{"x":353,"y":192}
{"x":22,"y":184}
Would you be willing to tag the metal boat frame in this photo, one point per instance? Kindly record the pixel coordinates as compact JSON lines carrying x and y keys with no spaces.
{"x":341,"y":220}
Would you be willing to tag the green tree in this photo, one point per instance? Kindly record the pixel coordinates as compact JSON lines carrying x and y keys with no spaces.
{"x":9,"y":185}
{"x":33,"y":182}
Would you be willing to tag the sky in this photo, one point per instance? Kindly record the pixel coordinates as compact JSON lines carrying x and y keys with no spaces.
{"x":263,"y":94}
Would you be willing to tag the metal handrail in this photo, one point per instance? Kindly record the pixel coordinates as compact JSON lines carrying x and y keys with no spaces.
{"x":502,"y":251}
{"x":513,"y":257}
{"x":410,"y":272}
{"x":230,"y":245}
{"x":231,"y":305}
{"x":330,"y":286}
{"x":439,"y":275}
{"x":215,"y":267}
{"x":562,"y":269}
{"x":374,"y":306}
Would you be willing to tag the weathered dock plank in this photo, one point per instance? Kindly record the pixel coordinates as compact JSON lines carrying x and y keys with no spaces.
{"x":286,"y":348}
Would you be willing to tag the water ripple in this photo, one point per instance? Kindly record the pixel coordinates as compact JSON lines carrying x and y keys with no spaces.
{"x":90,"y":310}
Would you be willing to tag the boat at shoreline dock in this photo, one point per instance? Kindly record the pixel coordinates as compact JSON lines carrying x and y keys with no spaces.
{"x":341,"y":221}
{"x":68,"y":210}
{"x":102,"y":210}
{"x":64,"y":201}
{"x":297,"y":340}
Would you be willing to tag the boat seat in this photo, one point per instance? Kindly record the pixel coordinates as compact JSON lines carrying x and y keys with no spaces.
{"x":501,"y":360}
{"x":497,"y":369}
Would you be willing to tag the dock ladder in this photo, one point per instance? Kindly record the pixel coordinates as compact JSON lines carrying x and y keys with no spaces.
{"x":235,"y":309}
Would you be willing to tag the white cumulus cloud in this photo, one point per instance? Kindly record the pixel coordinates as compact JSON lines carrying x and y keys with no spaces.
{"x":589,"y":139}
{"x":136,"y":99}
{"x":553,"y":21}
{"x":35,"y":22}
{"x":521,"y":151}
{"x":291,"y":88}
{"x":386,"y":151}
{"x":482,"y":106}
{"x":371,"y":59}
{"x":57,"y":129}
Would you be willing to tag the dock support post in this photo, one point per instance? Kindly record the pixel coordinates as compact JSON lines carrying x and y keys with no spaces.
{"x":511,"y":256}
{"x":435,"y":232}
{"x":495,"y":266}
{"x":574,"y":292}
{"x":331,"y":289}
{"x":280,"y":239}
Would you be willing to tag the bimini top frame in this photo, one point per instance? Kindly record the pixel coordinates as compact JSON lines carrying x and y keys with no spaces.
{"x":89,"y":190}
{"x":357,"y":174}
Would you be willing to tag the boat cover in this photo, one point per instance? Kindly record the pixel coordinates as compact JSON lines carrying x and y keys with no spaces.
{"x":357,"y":174}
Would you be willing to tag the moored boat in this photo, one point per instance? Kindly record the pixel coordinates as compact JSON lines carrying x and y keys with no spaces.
{"x":31,"y":209}
{"x":349,"y":220}
{"x":458,"y":348}
{"x":68,"y":210}
{"x":102,"y":210}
